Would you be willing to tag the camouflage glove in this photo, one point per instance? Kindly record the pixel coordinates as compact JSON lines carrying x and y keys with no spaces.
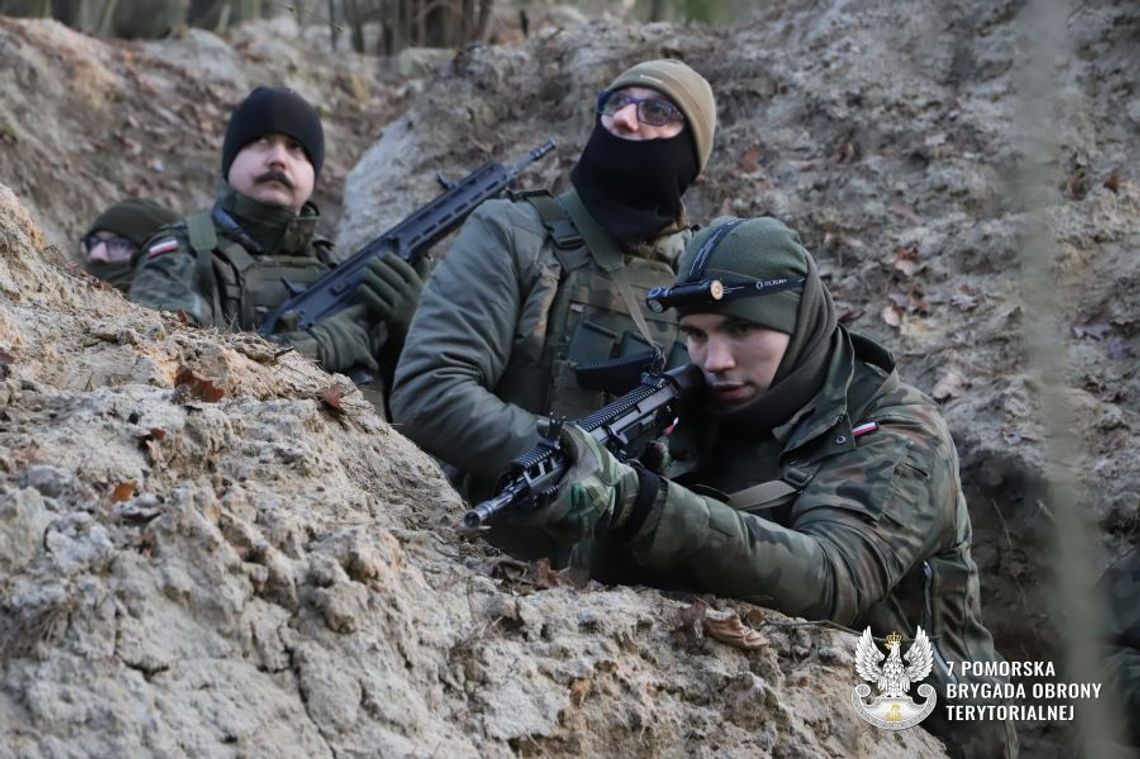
{"x":391,"y":290}
{"x":340,"y":342}
{"x":597,"y":494}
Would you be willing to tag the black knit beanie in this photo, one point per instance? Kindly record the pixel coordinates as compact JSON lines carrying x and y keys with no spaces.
{"x":267,"y":110}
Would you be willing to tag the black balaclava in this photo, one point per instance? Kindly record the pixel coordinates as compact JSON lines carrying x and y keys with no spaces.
{"x":633,"y":188}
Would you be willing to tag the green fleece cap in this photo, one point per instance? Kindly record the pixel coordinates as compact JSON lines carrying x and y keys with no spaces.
{"x":136,"y":219}
{"x":688,"y":90}
{"x":755,"y":249}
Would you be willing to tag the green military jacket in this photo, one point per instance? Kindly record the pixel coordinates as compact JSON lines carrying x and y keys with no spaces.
{"x":508,"y":316}
{"x":861,"y":521}
{"x":231,"y":275}
{"x":1122,"y":653}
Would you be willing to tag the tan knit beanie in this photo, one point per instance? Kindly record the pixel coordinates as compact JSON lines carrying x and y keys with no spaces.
{"x":688,"y":90}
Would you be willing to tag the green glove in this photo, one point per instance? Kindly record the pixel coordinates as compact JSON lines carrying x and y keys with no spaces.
{"x":391,"y":290}
{"x":596,"y":494}
{"x":340,"y":342}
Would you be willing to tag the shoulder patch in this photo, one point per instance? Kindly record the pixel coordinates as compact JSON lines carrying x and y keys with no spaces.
{"x":162,"y":246}
{"x":864,"y":429}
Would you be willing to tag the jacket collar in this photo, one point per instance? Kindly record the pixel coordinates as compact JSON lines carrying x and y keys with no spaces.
{"x":828,"y":414}
{"x":608,"y":253}
{"x":272,"y":229}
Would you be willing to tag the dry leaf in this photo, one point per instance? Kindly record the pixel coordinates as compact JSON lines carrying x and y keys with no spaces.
{"x":198,"y":387}
{"x":891,"y":315}
{"x":950,"y":386}
{"x":726,"y":627}
{"x":1113,"y":181}
{"x":907,"y":268}
{"x":1012,"y":435}
{"x":847,"y":150}
{"x":543,"y":575}
{"x":332,"y":398}
{"x":964,"y":301}
{"x":905,"y":212}
{"x":749,"y":160}
{"x":689,"y":625}
{"x":1077,"y":185}
{"x":901,"y":301}
{"x":123,"y":491}
{"x":578,"y":690}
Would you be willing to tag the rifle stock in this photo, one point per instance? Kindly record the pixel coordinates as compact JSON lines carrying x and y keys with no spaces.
{"x":625,"y":426}
{"x":409,"y":239}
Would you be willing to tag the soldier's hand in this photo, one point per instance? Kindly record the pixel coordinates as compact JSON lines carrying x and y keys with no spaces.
{"x":391,"y":290}
{"x":343,"y":341}
{"x":594,"y":495}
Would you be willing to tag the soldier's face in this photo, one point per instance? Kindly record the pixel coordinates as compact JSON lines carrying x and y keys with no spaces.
{"x":274,"y":170}
{"x":626,"y":124}
{"x":738,"y":358}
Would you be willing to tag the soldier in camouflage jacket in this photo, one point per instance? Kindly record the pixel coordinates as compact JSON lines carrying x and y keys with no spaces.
{"x":234,"y":265}
{"x":807,"y":476}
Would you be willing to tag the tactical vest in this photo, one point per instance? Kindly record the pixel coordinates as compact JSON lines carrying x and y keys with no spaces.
{"x":243,"y":288}
{"x":594,"y":348}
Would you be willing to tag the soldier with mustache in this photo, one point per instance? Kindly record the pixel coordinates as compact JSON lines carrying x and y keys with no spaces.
{"x":228,"y":266}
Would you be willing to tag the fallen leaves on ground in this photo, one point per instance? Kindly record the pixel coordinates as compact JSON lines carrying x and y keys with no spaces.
{"x":950,"y":385}
{"x":123,"y":491}
{"x":695,"y":621}
{"x":197,"y":387}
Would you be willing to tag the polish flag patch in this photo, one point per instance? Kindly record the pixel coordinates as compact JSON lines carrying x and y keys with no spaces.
{"x":864,"y":429}
{"x":163,"y":246}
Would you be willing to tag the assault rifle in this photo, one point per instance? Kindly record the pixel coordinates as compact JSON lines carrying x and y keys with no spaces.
{"x":625,"y":426}
{"x":409,"y":240}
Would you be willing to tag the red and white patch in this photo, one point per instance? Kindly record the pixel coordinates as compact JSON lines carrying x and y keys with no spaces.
{"x":864,"y":429}
{"x":163,"y":246}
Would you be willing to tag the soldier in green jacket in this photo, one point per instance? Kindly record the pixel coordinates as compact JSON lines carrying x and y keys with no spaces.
{"x":231,"y":266}
{"x":112,"y":242}
{"x":807,"y":476}
{"x":538,"y":308}
{"x":1121,"y":584}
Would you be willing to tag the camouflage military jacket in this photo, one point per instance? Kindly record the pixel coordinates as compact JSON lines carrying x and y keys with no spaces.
{"x":1122,"y":654}
{"x":253,"y":249}
{"x":867,"y":524}
{"x":489,"y":350}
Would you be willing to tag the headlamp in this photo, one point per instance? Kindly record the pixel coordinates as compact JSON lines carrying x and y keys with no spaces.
{"x":713,"y":291}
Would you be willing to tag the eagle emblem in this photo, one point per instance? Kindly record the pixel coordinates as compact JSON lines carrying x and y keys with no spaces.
{"x":893,"y":709}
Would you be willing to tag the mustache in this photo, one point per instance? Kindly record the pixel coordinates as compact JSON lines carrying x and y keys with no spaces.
{"x":274,"y":175}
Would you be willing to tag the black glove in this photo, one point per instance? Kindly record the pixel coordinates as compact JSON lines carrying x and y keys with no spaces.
{"x":391,"y":290}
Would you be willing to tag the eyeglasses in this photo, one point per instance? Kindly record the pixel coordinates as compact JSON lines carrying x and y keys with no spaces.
{"x":654,"y":111}
{"x":118,"y":248}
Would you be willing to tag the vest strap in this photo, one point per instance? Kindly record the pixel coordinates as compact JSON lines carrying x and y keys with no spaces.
{"x":768,"y":495}
{"x":561,"y":229}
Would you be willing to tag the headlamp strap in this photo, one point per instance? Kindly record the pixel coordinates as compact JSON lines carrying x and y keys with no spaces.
{"x":697,"y":270}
